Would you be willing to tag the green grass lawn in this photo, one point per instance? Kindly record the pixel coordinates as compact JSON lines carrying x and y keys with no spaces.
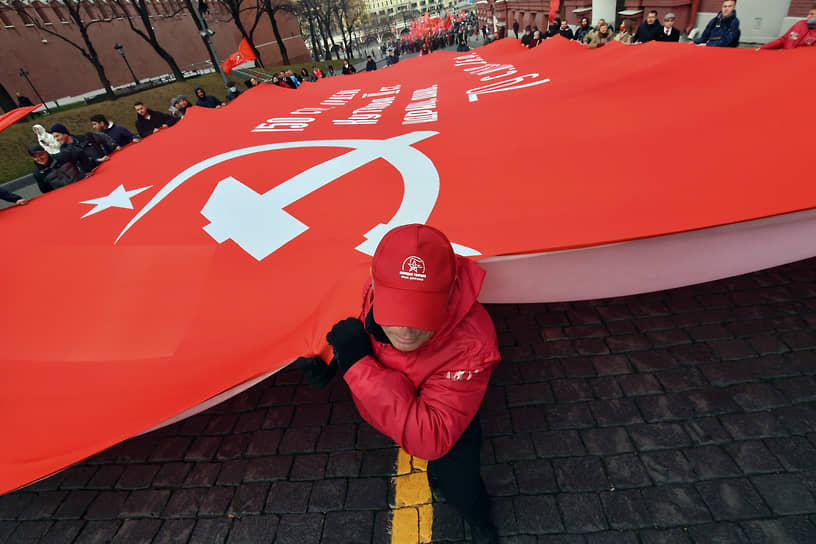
{"x":14,"y":141}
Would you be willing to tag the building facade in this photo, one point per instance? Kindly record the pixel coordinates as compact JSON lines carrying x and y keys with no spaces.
{"x":59,"y":70}
{"x":760,"y":20}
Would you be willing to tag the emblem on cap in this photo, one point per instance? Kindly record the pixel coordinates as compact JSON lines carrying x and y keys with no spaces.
{"x":413,"y":268}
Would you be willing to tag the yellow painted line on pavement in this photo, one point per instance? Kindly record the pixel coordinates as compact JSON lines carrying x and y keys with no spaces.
{"x":412,"y":518}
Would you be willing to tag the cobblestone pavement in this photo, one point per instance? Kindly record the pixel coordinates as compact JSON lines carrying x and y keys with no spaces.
{"x":680,"y":416}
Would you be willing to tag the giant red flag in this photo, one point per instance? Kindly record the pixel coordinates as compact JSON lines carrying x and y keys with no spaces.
{"x":11,"y":117}
{"x":216,"y":251}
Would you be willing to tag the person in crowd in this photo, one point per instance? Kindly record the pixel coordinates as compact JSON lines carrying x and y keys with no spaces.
{"x":306,"y":75}
{"x":289,"y":78}
{"x":55,"y":171}
{"x":668,"y":33}
{"x":391,"y":59}
{"x":462,"y":47}
{"x":317,"y":72}
{"x":802,"y":34}
{"x":649,"y":29}
{"x":515,"y":29}
{"x":583,"y":29}
{"x":331,"y":71}
{"x":602,"y":36}
{"x":179,"y":106}
{"x":120,"y":134}
{"x":23,"y":101}
{"x":46,"y":139}
{"x":426,"y":49}
{"x":536,"y":39}
{"x":8,"y":196}
{"x":418,"y":360}
{"x":371,"y":64}
{"x":149,"y":121}
{"x":565,"y":30}
{"x":624,"y":34}
{"x":348,"y":68}
{"x":232,"y":91}
{"x":723,"y":30}
{"x":96,"y":147}
{"x":554,"y":29}
{"x":205,"y":100}
{"x":527,"y":37}
{"x":252,"y":82}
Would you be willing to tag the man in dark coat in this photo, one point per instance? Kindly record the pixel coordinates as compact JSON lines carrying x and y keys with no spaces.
{"x":565,"y":30}
{"x":205,"y":100}
{"x":149,"y":121}
{"x":723,"y":30}
{"x":23,"y":100}
{"x":649,"y":30}
{"x":95,"y":147}
{"x":120,"y":134}
{"x":371,"y":64}
{"x":55,"y":171}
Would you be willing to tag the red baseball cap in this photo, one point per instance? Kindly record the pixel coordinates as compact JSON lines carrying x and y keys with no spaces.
{"x":413,"y":270}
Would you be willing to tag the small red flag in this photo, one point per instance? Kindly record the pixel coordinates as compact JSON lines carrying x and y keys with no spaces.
{"x":554,"y":5}
{"x":243,"y":55}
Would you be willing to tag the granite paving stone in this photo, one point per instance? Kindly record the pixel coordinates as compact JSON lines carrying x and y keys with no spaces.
{"x":717,"y":533}
{"x":535,"y":477}
{"x":675,"y":505}
{"x":202,"y":475}
{"x":785,"y":494}
{"x":60,"y":532}
{"x":558,"y":444}
{"x":732,"y":499}
{"x":210,"y":530}
{"x":668,"y":407}
{"x":287,"y":497}
{"x":30,"y":530}
{"x":799,"y":419}
{"x":174,"y":531}
{"x":582,"y":512}
{"x":500,"y":480}
{"x":515,"y":447}
{"x":790,"y":530}
{"x":626,"y":471}
{"x":145,"y":503}
{"x":656,"y":436}
{"x":233,"y":446}
{"x":136,"y":530}
{"x":606,"y":441}
{"x":98,"y":532}
{"x":259,"y":529}
{"x":626,"y":509}
{"x":609,"y":413}
{"x":525,"y":419}
{"x":795,"y":452}
{"x":537,"y":514}
{"x":711,"y":462}
{"x":367,"y":494}
{"x":348,"y":527}
{"x":580,"y":474}
{"x":706,"y":430}
{"x":249,"y":499}
{"x":753,"y":457}
{"x":309,"y":467}
{"x":612,"y":537}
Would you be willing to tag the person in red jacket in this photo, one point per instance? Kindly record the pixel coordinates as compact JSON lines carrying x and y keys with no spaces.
{"x":801,"y":34}
{"x":418,"y":361}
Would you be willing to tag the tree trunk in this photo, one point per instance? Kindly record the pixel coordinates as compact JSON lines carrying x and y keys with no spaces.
{"x":188,"y":4}
{"x":315,"y":46}
{"x":153,"y":41}
{"x":284,"y":55}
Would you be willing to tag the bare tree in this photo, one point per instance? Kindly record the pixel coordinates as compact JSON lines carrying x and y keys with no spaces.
{"x":256,"y":10}
{"x":79,"y":13}
{"x":271,"y":8}
{"x":147,"y":33}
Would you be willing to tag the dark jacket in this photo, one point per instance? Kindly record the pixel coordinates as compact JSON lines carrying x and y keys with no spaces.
{"x":581,"y":33}
{"x":647,"y":32}
{"x":120,"y":134}
{"x":60,"y":171}
{"x":674,"y":36}
{"x":349,"y":69}
{"x":206,"y":101}
{"x":568,"y":34}
{"x":721,"y":31}
{"x":232,"y":95}
{"x":9,"y":196}
{"x":24,"y":101}
{"x":371,"y":65}
{"x":145,"y":127}
{"x":94,"y":146}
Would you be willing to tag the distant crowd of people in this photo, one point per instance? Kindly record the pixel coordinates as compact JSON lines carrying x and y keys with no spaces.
{"x":722,"y":31}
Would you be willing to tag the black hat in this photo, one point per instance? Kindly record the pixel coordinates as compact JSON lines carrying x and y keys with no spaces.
{"x":59,"y":127}
{"x":35,"y":148}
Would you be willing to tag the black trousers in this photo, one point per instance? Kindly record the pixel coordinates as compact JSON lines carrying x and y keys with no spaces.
{"x":456,"y":476}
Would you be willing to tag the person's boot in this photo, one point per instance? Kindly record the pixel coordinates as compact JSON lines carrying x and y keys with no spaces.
{"x":483,"y":533}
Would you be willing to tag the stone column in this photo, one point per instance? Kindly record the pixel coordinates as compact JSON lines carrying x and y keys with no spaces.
{"x":603,"y":9}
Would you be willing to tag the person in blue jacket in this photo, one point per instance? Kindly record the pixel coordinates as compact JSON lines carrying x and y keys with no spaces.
{"x":723,"y":30}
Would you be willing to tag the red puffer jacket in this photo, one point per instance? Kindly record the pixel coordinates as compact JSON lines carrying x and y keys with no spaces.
{"x":424,"y":399}
{"x":799,"y":35}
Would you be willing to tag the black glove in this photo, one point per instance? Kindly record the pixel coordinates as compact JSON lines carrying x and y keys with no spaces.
{"x":316,"y":372}
{"x":350,"y":342}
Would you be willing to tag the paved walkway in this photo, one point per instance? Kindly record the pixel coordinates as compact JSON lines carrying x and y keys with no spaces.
{"x":681,"y":416}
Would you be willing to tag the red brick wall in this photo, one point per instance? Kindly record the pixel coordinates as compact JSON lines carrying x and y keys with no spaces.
{"x":800,"y":8}
{"x":58,"y":70}
{"x":712,"y":6}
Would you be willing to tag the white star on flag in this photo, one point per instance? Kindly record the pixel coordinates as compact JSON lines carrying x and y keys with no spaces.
{"x":119,"y":198}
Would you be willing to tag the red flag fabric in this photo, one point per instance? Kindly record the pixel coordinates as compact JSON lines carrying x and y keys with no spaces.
{"x":244,"y":54}
{"x":554,"y":5}
{"x":11,"y":117}
{"x":169,"y":278}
